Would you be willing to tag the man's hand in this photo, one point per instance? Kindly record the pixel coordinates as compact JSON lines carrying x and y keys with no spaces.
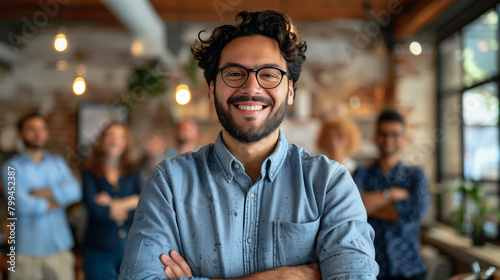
{"x":47,"y":194}
{"x":175,"y":265}
{"x":398,"y":194}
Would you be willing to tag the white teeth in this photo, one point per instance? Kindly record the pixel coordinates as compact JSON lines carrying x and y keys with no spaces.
{"x":250,"y":108}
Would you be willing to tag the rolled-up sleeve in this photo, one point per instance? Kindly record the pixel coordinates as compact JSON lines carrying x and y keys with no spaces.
{"x":345,"y":240}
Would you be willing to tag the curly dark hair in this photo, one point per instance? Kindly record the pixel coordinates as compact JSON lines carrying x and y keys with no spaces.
{"x":268,"y":23}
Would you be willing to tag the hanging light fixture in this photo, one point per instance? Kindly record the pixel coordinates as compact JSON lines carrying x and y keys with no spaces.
{"x":60,"y":42}
{"x":415,"y":48}
{"x":182,"y":94}
{"x":79,"y":85}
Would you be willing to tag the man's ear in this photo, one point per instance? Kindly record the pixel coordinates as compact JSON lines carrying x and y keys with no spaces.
{"x":211,"y":91}
{"x":291,"y":93}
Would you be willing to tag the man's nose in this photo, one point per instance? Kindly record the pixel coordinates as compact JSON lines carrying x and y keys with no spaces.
{"x":252,"y":83}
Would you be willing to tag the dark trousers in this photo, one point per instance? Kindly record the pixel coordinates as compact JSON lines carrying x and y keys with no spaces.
{"x":101,"y":265}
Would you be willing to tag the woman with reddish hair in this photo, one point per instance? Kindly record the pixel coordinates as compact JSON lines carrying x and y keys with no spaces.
{"x":339,"y":139}
{"x":111,"y":188}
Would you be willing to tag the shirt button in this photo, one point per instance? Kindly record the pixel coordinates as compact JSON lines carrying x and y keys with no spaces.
{"x":122,"y":234}
{"x":252,"y":195}
{"x":272,"y":174}
{"x":250,"y":240}
{"x":236,"y":166}
{"x":228,"y":176}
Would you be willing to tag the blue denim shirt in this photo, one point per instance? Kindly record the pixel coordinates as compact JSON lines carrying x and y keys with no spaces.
{"x":39,"y":231}
{"x":397,"y":244}
{"x":302,"y":209}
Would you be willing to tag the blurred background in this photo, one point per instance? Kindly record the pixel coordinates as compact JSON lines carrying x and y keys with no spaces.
{"x":83,"y":63}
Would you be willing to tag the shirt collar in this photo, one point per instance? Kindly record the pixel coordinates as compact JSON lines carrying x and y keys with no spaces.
{"x":270,"y":167}
{"x":26,"y":158}
{"x":394,"y":170}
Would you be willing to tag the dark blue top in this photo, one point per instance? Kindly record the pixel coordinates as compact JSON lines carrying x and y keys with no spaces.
{"x":397,"y":244}
{"x":104,"y":234}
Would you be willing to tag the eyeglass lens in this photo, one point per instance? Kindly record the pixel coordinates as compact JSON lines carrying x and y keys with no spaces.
{"x":236,"y":76}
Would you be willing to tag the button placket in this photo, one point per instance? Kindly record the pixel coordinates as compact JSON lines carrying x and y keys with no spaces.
{"x":251,"y":231}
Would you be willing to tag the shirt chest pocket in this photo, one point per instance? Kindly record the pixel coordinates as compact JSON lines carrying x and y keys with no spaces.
{"x":294,"y":243}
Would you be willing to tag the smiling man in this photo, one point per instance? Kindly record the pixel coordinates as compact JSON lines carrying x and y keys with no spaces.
{"x":251,"y":205}
{"x":396,"y":197}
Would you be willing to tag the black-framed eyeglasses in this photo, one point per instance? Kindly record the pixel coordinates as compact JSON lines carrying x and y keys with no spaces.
{"x":236,"y":76}
{"x":384,"y":134}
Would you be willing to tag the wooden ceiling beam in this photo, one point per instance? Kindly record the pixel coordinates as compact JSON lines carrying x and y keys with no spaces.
{"x":414,"y":20}
{"x":414,"y":16}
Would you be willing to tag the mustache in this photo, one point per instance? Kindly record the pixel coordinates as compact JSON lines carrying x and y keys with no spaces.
{"x":255,"y":98}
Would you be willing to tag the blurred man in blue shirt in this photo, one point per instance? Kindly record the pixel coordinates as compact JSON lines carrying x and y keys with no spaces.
{"x":44,"y":186}
{"x":396,"y":197}
{"x":250,"y":205}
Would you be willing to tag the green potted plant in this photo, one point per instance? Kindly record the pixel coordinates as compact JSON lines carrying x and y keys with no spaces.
{"x":473,"y":212}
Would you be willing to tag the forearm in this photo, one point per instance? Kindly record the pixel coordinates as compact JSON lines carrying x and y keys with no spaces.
{"x":387,"y":213}
{"x":276,"y":273}
{"x":310,"y":271}
{"x":47,"y":195}
{"x":374,"y":201}
{"x":176,"y":267}
{"x":128,"y":203}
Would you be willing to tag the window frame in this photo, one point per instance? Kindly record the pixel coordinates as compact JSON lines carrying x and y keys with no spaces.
{"x":456,"y":26}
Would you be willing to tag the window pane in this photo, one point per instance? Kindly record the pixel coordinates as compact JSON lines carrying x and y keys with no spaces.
{"x":481,"y":142}
{"x":451,"y":137}
{"x":480,"y":47}
{"x":450,"y":58}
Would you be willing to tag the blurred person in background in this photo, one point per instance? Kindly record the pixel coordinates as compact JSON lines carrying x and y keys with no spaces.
{"x":339,"y":139}
{"x":111,"y":188}
{"x":396,"y":197}
{"x":185,"y":137}
{"x":44,"y":187}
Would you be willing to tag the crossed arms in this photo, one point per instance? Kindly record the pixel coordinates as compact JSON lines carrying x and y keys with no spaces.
{"x":381,"y":207}
{"x":177,"y":267}
{"x":193,"y":220}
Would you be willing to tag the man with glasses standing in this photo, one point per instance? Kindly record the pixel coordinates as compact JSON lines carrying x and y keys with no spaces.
{"x":250,"y":205}
{"x":396,"y":197}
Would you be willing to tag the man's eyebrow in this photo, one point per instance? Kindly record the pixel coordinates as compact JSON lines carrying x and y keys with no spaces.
{"x":258,"y":67}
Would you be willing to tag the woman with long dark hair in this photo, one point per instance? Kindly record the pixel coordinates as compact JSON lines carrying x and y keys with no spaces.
{"x":111,"y":187}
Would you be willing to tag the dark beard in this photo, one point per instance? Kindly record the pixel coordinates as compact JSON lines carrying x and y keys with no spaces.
{"x":29,"y":146}
{"x":251,"y":135}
